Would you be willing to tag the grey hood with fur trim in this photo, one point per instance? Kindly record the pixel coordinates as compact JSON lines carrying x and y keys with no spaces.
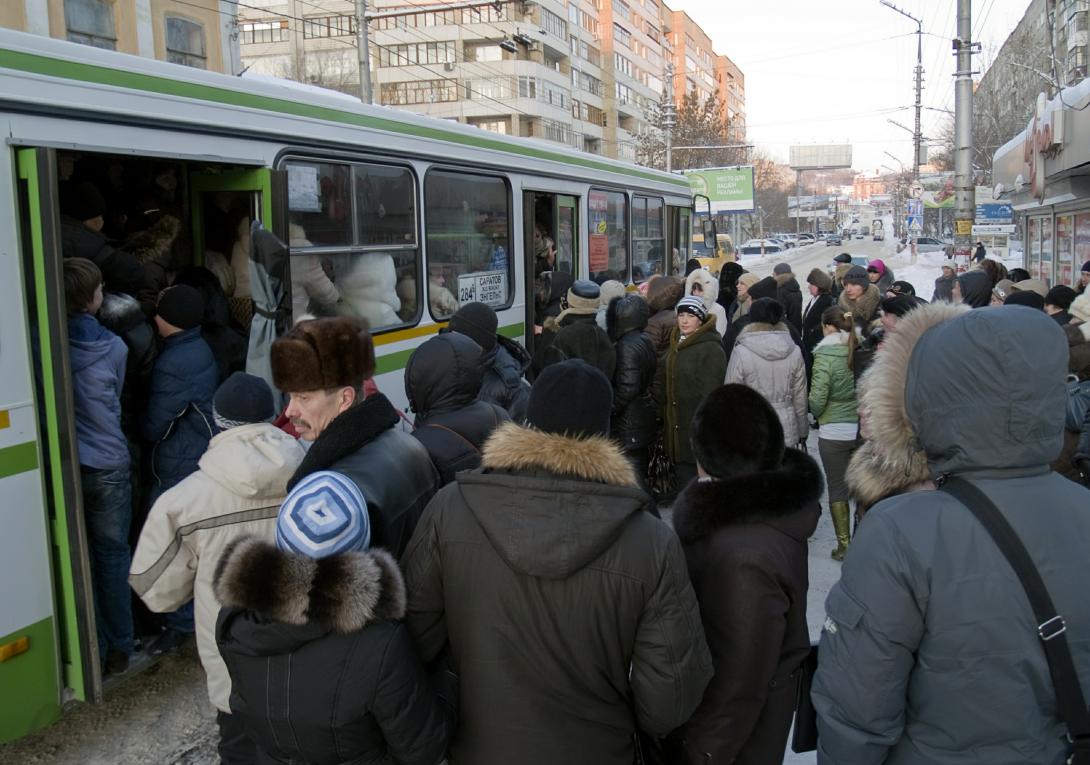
{"x":930,"y":653}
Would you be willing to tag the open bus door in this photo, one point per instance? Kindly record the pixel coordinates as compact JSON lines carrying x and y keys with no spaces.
{"x":557,"y":217}
{"x":47,"y":610}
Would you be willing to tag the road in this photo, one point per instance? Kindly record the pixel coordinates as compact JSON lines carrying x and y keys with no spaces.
{"x":820,"y":255}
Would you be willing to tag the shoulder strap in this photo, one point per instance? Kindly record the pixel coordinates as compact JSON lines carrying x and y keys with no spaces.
{"x":1050,"y":625}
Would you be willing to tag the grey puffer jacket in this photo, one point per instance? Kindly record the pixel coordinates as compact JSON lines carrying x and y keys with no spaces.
{"x":930,"y":652}
{"x":767,"y":359}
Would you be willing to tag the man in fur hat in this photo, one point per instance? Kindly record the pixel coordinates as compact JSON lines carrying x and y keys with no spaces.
{"x":322,"y":364}
{"x":564,"y":603}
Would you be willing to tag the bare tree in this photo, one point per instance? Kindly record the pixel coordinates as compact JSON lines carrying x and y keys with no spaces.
{"x":699,"y":123}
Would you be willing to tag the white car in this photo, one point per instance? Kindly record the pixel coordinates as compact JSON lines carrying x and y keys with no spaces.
{"x":926,"y":244}
{"x":759,"y":247}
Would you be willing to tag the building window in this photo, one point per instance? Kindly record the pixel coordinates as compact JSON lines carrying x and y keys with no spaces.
{"x":91,"y":22}
{"x":418,"y":92}
{"x":263,"y":32}
{"x":329,"y":26}
{"x":553,"y":24}
{"x":417,"y":53}
{"x":622,"y":64}
{"x":622,"y":35}
{"x":469,"y":241}
{"x":185,"y":43}
{"x":483,"y":52}
{"x":499,"y":125}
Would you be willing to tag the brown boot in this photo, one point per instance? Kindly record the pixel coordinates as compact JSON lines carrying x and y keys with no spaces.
{"x":841,"y":513}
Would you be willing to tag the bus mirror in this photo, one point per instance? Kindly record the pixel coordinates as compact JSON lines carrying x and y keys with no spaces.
{"x":709,"y":230}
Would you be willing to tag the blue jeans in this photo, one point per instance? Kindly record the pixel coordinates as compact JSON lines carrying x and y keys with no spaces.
{"x":107,"y":511}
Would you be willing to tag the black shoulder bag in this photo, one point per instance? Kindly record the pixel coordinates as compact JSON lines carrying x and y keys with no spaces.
{"x":1050,"y":625}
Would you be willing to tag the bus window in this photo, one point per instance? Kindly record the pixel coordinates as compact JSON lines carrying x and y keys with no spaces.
{"x":608,"y":248}
{"x":648,"y":240}
{"x":469,"y":241}
{"x":353,"y":240}
{"x":681,"y":239}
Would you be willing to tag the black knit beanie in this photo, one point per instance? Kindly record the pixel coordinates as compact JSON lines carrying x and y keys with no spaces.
{"x":181,"y":306}
{"x":477,"y":322}
{"x":573,"y":398}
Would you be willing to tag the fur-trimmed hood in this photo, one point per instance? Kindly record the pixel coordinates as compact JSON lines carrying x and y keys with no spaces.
{"x":664,"y":293}
{"x":153,"y":245}
{"x":892,"y":460}
{"x":708,"y":285}
{"x":550,"y":504}
{"x":833,"y":340}
{"x":772,"y":342}
{"x":515,"y":448}
{"x":785,"y":498}
{"x":343,"y":593}
{"x":865,"y":307}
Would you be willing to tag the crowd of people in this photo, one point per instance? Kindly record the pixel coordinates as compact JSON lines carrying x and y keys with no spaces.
{"x":487,"y":577}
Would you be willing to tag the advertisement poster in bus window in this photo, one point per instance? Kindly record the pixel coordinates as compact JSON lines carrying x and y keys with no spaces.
{"x":1046,"y":250}
{"x":599,"y":252}
{"x":1065,"y":250}
{"x":1082,"y":238}
{"x":1033,"y":233}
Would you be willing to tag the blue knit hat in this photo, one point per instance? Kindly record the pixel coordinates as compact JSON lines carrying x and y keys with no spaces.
{"x":325,"y":514}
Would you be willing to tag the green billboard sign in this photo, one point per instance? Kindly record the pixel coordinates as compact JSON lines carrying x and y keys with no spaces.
{"x":730,"y":189}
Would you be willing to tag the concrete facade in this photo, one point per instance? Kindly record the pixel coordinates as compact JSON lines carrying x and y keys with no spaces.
{"x":578,"y":72}
{"x":197,"y":33}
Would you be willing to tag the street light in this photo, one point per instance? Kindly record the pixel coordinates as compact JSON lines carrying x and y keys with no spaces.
{"x":917,"y":135}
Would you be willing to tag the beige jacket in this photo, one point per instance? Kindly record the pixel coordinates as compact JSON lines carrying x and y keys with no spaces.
{"x":236,"y":492}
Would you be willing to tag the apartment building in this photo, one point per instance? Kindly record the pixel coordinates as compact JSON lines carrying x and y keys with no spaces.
{"x":197,"y":33}
{"x":584,"y":73}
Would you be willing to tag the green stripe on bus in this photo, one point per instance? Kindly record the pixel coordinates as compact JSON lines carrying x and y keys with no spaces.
{"x":393,"y":362}
{"x":30,"y":700}
{"x":72,"y":70}
{"x":18,"y":459}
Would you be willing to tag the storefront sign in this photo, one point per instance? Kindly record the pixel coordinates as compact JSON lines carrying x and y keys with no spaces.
{"x":994,"y":212}
{"x":488,"y":287}
{"x":1044,"y":139}
{"x":963,"y":227}
{"x":990,"y":228}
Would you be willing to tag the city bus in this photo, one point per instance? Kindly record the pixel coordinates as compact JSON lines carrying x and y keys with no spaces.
{"x":407,"y":216}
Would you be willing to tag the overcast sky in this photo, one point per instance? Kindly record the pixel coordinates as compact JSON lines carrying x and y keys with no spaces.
{"x":836,"y":71}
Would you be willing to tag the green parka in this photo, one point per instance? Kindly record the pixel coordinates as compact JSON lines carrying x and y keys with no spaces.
{"x":689,"y":370}
{"x":832,"y":384}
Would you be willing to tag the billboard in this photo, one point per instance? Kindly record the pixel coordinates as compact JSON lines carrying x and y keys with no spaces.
{"x":820,"y":156}
{"x":730,"y":189}
{"x":809,"y":206}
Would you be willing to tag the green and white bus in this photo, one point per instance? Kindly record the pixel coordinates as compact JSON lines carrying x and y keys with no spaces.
{"x":427,"y":212}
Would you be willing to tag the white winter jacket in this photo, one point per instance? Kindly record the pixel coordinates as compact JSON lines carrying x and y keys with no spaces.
{"x":709,"y":286}
{"x":236,"y":492}
{"x":766,"y":359}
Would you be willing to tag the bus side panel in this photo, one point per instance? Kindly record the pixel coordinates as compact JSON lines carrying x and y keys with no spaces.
{"x":29,"y":672}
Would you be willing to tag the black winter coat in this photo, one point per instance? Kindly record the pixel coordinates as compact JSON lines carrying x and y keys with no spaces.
{"x":633,"y":421}
{"x":78,"y":241}
{"x":789,"y":295}
{"x":392,"y":469}
{"x":122,"y":315}
{"x":324,"y":673}
{"x":504,"y":384}
{"x":745,"y":542}
{"x":442,"y":381}
{"x":576,"y":336}
{"x":811,"y":322}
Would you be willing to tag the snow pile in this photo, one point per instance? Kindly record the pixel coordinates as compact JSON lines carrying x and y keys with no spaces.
{"x":922,"y":274}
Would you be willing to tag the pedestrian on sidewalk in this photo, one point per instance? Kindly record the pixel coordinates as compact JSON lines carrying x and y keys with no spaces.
{"x":236,"y":492}
{"x":633,"y":421}
{"x":692,"y":367}
{"x":821,"y":286}
{"x":322,"y":365}
{"x":562,"y":599}
{"x":702,"y":284}
{"x":860,"y":297}
{"x":788,"y":294}
{"x":944,"y":285}
{"x":744,"y":528}
{"x":930,"y":647}
{"x":833,"y":403}
{"x":504,"y":361}
{"x":322,"y":669}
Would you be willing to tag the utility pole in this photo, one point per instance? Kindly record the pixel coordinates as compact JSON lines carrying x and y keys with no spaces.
{"x":917,"y":134}
{"x":798,"y":201}
{"x":363,"y":52}
{"x":669,"y":119}
{"x":964,"y":187}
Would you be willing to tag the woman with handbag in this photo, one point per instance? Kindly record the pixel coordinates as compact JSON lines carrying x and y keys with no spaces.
{"x":744,"y":528}
{"x":692,"y":367}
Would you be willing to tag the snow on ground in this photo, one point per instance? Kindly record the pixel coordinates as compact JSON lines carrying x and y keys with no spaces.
{"x":921,"y":274}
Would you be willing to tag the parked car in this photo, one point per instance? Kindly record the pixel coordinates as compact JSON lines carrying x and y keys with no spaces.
{"x":859,"y":260}
{"x":757,"y":247}
{"x":879,"y":235}
{"x":860,"y":233}
{"x":805,"y":239}
{"x":929,"y":244}
{"x":833,"y":240}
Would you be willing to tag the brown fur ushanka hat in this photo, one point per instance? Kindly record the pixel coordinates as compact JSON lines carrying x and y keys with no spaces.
{"x":321,"y":354}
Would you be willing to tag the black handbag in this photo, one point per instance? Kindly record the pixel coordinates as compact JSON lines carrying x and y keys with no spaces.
{"x":661,"y":476}
{"x":804,"y":736}
{"x":1050,"y":625}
